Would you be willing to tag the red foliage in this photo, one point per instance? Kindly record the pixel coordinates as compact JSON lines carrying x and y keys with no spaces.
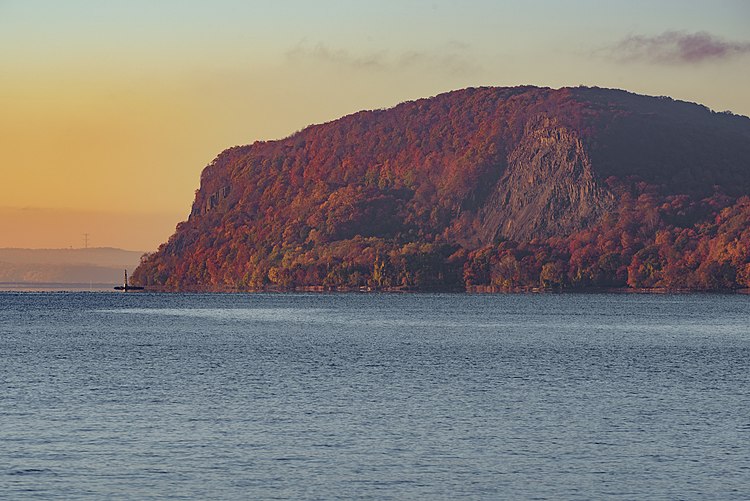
{"x":394,"y":199}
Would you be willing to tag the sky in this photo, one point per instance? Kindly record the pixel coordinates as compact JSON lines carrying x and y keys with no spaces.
{"x":109,"y":110}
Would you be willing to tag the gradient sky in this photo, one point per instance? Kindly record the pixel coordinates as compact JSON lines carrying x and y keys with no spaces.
{"x":109,"y":110}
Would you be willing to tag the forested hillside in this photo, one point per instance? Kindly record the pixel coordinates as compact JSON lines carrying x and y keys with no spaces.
{"x":487,"y":188}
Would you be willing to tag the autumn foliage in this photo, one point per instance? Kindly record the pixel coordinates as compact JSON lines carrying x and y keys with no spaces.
{"x":425,"y":196}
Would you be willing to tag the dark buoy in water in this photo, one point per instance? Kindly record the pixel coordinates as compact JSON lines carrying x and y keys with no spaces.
{"x":125,"y":287}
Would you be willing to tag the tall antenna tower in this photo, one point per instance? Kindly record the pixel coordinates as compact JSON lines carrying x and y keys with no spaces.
{"x":85,"y":240}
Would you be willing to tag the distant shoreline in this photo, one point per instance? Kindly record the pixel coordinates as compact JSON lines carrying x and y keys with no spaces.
{"x":53,"y":287}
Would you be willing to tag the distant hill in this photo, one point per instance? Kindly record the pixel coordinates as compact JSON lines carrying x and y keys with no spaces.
{"x":482,"y":188}
{"x":101,"y":265}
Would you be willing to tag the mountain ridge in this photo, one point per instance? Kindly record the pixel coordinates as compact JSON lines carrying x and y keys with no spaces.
{"x":424,"y":189}
{"x":66,"y":266}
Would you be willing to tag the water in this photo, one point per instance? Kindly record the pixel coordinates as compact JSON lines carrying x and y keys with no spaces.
{"x":349,"y":396}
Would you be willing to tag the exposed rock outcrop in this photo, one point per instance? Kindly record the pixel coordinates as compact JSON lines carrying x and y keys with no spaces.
{"x":549,"y":187}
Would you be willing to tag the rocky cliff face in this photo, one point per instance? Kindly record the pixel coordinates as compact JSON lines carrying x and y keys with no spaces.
{"x":549,"y":187}
{"x":414,"y":191}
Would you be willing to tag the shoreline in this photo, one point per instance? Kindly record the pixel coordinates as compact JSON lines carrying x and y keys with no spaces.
{"x":471,"y":290}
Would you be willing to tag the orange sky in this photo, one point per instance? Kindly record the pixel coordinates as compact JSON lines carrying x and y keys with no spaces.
{"x":111,"y":110}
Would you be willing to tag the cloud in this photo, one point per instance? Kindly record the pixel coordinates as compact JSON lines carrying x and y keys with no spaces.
{"x":676,"y":47}
{"x":339,"y":57}
{"x":451,"y":58}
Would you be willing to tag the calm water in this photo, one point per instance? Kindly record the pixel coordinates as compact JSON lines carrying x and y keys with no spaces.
{"x":142,"y":396}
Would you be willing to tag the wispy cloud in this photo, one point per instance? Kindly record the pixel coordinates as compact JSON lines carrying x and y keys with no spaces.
{"x":339,"y":57}
{"x":451,"y":58}
{"x":676,"y":47}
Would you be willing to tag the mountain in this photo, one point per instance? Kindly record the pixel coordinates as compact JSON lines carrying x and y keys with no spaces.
{"x":100,"y":265}
{"x":481,"y":188}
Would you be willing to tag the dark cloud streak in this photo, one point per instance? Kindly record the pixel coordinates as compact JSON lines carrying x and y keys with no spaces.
{"x":677,"y":47}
